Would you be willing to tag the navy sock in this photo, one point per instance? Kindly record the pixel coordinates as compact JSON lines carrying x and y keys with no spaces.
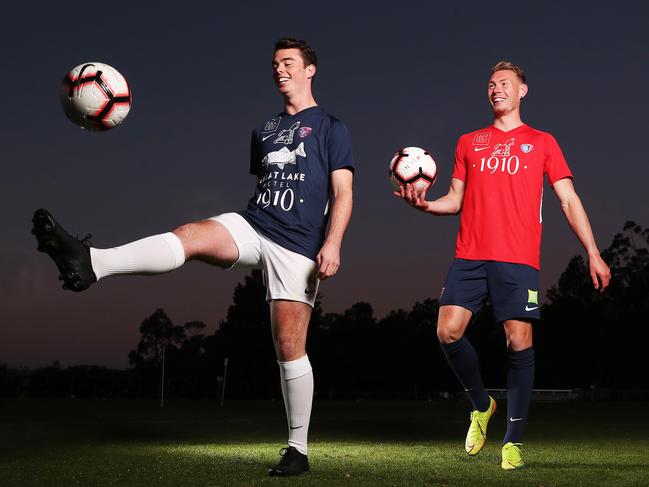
{"x":520,"y":379}
{"x":464,"y":362}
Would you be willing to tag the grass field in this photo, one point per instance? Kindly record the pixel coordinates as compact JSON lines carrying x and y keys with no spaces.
{"x":125,"y":443}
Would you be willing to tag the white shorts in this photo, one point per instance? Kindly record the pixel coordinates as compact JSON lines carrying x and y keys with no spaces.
{"x":288,"y":275}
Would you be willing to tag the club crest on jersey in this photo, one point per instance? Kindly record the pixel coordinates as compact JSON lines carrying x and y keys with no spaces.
{"x":286,"y":136}
{"x":271,"y":125}
{"x":481,"y":138}
{"x":532,"y":297}
{"x":503,"y":149}
{"x":527,"y":148}
{"x":304,"y":132}
{"x":284,"y":156}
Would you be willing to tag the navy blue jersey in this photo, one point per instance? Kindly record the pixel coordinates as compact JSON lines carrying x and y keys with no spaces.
{"x":293,"y":157}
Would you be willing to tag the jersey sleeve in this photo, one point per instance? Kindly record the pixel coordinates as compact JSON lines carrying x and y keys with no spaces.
{"x":459,"y":171}
{"x":255,"y":154}
{"x":554,"y":164}
{"x":339,"y":147}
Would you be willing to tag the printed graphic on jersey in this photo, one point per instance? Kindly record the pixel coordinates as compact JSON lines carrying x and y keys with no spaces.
{"x":504,"y":188}
{"x":284,"y":156}
{"x":271,"y":125}
{"x":503,"y":149}
{"x":293,"y":166}
{"x":481,"y":138}
{"x":286,"y":136}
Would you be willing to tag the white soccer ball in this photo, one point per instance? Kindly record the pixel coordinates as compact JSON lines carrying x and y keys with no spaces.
{"x":95,"y":96}
{"x":413,"y":165}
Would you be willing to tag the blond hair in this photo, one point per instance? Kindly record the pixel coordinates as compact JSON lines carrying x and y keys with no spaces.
{"x":509,"y":66}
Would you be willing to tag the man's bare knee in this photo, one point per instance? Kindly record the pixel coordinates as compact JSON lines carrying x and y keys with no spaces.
{"x":290,"y":322}
{"x":187,"y":234}
{"x":519,"y":341}
{"x":208,"y":241}
{"x":518,"y":335}
{"x":289,"y":348}
{"x":446,"y":335}
{"x":451,"y":323}
{"x":290,"y":344}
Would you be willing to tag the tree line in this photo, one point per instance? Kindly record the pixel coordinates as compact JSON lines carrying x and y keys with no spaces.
{"x":585,"y":340}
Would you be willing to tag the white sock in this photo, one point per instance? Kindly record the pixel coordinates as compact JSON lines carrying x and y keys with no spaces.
{"x":151,"y":255}
{"x":297,"y":389}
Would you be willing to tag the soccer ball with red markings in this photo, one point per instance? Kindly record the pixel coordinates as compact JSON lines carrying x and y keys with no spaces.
{"x":95,"y":96}
{"x":412,"y":165}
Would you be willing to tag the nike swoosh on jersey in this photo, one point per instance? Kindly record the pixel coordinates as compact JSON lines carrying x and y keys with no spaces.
{"x":527,"y":308}
{"x":515,"y":419}
{"x":264,"y":138}
{"x":478,"y":149}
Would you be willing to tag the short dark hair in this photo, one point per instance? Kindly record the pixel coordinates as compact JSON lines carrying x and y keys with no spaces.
{"x":308,"y":55}
{"x":509,"y":66}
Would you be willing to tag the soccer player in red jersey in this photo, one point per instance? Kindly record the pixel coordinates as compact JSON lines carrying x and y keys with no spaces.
{"x":497,"y":184}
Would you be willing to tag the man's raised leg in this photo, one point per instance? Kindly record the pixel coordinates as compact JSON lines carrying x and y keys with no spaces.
{"x":81,"y":265}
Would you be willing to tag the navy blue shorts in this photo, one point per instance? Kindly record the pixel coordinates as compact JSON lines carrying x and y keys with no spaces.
{"x":512,"y":288}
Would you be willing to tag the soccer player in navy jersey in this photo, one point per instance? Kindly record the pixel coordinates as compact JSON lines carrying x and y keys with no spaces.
{"x":292,"y":229}
{"x":497,"y":184}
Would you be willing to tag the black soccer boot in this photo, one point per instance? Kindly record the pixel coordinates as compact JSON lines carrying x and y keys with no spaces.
{"x":292,"y":463}
{"x":71,"y":255}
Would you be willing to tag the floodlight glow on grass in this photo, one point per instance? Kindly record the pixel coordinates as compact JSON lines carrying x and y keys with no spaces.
{"x":133,"y":443}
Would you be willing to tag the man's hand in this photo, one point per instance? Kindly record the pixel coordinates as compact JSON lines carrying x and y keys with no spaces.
{"x":413,"y":196}
{"x":328,"y":260}
{"x":599,"y":272}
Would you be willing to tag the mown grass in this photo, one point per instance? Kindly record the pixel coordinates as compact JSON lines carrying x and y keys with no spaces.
{"x":133,"y":443}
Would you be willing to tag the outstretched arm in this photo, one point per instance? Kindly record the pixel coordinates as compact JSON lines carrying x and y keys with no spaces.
{"x":450,"y":204}
{"x":328,"y":259}
{"x":578,"y":221}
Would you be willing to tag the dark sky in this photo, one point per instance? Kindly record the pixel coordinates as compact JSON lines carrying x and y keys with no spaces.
{"x":408,"y":74}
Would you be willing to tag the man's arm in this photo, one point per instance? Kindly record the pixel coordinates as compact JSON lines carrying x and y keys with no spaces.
{"x":578,"y":221}
{"x":450,"y":204}
{"x":328,"y":259}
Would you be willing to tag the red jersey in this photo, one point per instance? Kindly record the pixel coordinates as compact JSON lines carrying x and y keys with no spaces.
{"x":503,"y":173}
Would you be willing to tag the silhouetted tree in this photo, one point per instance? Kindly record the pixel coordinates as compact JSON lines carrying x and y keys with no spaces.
{"x":187,"y":365}
{"x":244,"y":337}
{"x":342,"y":349}
{"x":585,"y":338}
{"x":598,"y":339}
{"x":157,"y":332}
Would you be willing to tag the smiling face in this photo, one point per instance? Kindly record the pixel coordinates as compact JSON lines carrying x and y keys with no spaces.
{"x":505,"y":91}
{"x":290,"y":73}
